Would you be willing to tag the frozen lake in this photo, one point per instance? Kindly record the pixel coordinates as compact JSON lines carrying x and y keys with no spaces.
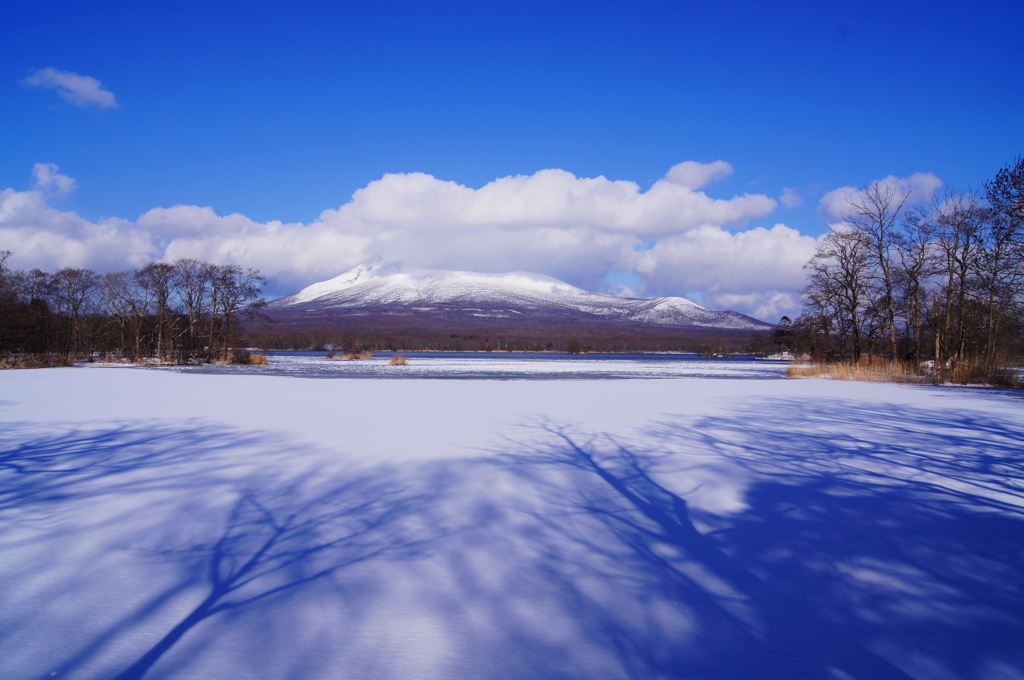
{"x":244,"y":522}
{"x":511,"y":366}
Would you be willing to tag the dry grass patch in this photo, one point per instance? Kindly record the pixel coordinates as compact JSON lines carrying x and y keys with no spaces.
{"x":872,"y":369}
{"x":34,"y":361}
{"x":398,"y":360}
{"x":868,"y":369}
{"x":245,"y":358}
{"x":353,"y":355}
{"x":973,"y":374}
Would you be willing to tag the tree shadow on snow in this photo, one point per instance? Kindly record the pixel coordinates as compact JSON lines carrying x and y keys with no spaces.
{"x":81,"y":462}
{"x":789,"y":540}
{"x":279,"y":532}
{"x":885,"y":545}
{"x":273,"y":543}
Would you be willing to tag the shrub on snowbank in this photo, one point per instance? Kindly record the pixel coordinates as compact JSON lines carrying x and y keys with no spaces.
{"x":351,"y":355}
{"x":243,"y":357}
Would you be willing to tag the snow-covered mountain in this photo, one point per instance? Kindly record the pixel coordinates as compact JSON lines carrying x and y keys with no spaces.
{"x":392,"y":289}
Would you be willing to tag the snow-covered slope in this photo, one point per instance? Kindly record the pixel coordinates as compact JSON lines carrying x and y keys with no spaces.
{"x":394,"y":288}
{"x":379,"y":282}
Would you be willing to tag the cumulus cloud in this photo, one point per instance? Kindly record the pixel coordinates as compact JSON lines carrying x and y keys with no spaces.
{"x":48,"y":180}
{"x":293,"y":254}
{"x":694,"y":175}
{"x":41,"y":236}
{"x":621,"y":290}
{"x":767,"y":305}
{"x":549,"y":198}
{"x":553,"y":222}
{"x":79,"y":90}
{"x":919,"y":186}
{"x":755,"y":271}
{"x":790,"y":198}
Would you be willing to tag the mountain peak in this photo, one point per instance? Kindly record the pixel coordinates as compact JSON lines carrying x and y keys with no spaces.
{"x":432,"y":283}
{"x":358,"y":274}
{"x":460,"y":298}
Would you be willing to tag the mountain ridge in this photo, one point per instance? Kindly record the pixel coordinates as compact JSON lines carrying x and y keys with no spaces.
{"x":394,"y":293}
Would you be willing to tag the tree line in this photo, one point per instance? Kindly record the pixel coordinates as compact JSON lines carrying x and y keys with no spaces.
{"x":942,"y":280}
{"x":185,"y":312}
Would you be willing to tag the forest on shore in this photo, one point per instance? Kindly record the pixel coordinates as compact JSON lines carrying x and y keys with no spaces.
{"x":182,"y":312}
{"x":940,"y":281}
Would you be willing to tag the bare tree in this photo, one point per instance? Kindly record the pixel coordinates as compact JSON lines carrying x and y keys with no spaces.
{"x":1001,"y":265}
{"x":962,"y":255}
{"x":173,"y":311}
{"x":877,"y":213}
{"x":37,"y":291}
{"x":5,"y":272}
{"x":234,"y":291}
{"x":840,"y":280}
{"x":73,"y":294}
{"x":917,"y":262}
{"x":958,"y":224}
{"x":128,"y":304}
{"x":193,"y":282}
{"x":820,"y":320}
{"x":8,"y":303}
{"x":156,"y":279}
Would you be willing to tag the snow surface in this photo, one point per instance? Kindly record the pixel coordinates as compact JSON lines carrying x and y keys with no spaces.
{"x":396,"y":280}
{"x":180,"y":524}
{"x":507,"y":366}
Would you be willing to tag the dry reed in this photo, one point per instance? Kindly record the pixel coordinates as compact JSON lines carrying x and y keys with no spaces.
{"x":868,"y":369}
{"x":246,"y":358}
{"x":875,"y":369}
{"x":34,"y":361}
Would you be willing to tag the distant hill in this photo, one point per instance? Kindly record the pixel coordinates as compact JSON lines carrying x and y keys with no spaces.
{"x":389,"y":297}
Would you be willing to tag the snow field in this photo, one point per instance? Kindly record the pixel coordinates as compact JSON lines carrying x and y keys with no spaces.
{"x":167,"y":524}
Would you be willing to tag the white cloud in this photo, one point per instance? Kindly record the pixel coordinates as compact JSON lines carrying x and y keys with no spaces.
{"x":43,"y":237}
{"x":790,"y":198}
{"x":621,"y":290}
{"x":48,"y":180}
{"x":715,"y":260}
{"x":750,"y":271}
{"x":768,"y":306}
{"x":548,"y":198}
{"x":82,"y":91}
{"x":553,"y":222}
{"x":694,"y":175}
{"x":294,"y":255}
{"x":920,"y":186}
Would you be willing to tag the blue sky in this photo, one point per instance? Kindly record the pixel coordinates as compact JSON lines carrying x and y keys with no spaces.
{"x":263,"y":113}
